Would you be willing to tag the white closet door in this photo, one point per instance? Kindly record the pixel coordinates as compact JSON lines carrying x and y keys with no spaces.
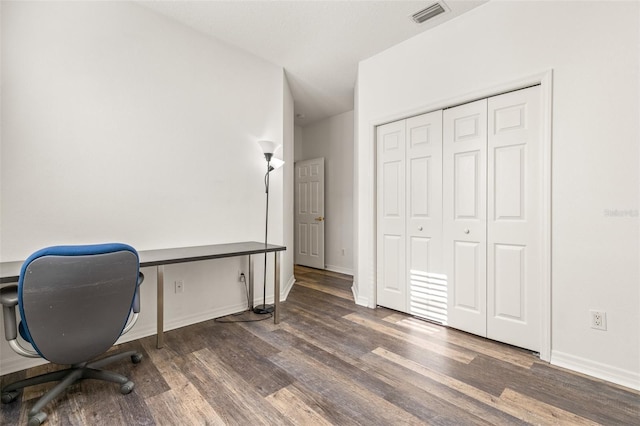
{"x":391,"y":216}
{"x":514,"y":175}
{"x":464,"y":214}
{"x":427,"y":289}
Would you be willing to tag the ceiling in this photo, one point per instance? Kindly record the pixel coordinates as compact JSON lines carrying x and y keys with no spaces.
{"x":318,"y":43}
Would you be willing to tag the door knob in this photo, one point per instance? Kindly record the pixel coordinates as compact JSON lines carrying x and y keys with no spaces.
{"x":319,"y":219}
{"x":466,"y":230}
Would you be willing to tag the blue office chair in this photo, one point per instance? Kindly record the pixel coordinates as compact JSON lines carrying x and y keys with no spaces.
{"x":74,"y":303}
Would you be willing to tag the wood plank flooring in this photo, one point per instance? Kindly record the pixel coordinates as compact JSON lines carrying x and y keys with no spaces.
{"x":332,"y":362}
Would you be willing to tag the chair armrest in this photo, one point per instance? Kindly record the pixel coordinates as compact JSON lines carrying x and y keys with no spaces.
{"x":136,"y":297}
{"x":9,"y":295}
{"x":9,"y":300}
{"x":136,"y":306}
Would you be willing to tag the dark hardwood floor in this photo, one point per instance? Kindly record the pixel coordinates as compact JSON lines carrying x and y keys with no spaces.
{"x":332,"y":362}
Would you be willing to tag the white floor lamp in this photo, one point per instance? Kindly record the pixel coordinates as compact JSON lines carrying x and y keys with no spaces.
{"x":268,"y":148}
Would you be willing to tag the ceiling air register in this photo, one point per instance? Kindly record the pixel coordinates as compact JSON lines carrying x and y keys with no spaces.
{"x":427,"y":13}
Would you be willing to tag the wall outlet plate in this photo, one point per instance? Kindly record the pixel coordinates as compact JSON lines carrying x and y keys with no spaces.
{"x":598,"y":320}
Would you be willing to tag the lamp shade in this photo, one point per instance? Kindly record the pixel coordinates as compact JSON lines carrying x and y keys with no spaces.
{"x":276,"y":163}
{"x":268,"y":147}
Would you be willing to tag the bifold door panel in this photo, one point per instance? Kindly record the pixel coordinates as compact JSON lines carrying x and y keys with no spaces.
{"x":513,"y":225}
{"x":464,"y":215}
{"x":391,"y":283}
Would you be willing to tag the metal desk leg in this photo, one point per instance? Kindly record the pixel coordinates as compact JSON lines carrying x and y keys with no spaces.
{"x":276,"y":288}
{"x":250,"y":284}
{"x":160,"y":307}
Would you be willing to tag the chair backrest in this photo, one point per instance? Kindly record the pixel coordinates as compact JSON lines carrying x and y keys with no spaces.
{"x":74,"y":301}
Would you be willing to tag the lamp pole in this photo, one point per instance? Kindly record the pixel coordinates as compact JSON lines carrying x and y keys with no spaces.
{"x":264,"y":308}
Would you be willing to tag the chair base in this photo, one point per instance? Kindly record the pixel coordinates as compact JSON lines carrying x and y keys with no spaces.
{"x":67,"y":377}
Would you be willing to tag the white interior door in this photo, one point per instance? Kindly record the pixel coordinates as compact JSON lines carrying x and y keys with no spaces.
{"x":309,"y":205}
{"x":391,"y":242}
{"x":427,"y":289}
{"x":514,"y":199}
{"x":464,"y":215}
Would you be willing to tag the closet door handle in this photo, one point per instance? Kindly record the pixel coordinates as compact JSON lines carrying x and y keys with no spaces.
{"x":419,"y":228}
{"x":466,"y":230}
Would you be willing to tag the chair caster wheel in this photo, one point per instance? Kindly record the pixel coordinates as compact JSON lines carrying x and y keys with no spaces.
{"x":127,"y":388}
{"x":136,"y":358}
{"x":37,"y":419}
{"x":9,"y":396}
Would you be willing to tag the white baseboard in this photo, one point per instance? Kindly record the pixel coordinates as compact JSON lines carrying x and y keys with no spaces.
{"x":284,"y":293}
{"x":361,"y":301}
{"x":339,"y":269}
{"x":599,"y":370}
{"x":21,"y":363}
{"x":205,"y":316}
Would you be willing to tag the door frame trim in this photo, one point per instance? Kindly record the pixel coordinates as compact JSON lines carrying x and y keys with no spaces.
{"x":545,"y":80}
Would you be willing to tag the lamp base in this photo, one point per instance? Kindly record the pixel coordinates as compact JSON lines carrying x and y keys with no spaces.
{"x":263,"y":309}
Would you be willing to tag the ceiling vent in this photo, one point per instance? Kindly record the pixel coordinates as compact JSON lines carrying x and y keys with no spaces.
{"x":428,"y":13}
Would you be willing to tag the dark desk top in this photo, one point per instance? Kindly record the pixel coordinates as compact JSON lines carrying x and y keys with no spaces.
{"x":10,"y":271}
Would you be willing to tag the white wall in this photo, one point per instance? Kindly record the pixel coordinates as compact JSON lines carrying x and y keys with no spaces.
{"x":593,"y":49}
{"x":121,"y":125}
{"x":332,"y":138}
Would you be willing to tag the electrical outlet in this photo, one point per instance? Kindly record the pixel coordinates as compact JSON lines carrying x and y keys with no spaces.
{"x":240,"y":275}
{"x":598,"y":320}
{"x":179,"y":286}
